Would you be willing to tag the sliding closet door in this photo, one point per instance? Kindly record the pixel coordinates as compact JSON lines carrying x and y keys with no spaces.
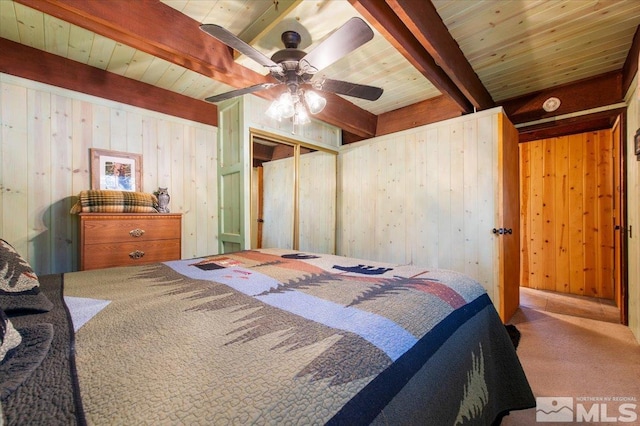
{"x":278,"y":187}
{"x":317,"y":201}
{"x":293,"y":196}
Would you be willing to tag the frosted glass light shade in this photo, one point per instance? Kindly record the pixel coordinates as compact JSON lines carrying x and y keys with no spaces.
{"x":301,"y":116}
{"x":315,"y":102}
{"x":290,"y":105}
{"x":273,"y":111}
{"x":286,"y":105}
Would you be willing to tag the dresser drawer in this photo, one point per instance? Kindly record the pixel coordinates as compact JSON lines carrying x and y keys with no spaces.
{"x":128,"y":254}
{"x":124,"y":239}
{"x":98,"y":231}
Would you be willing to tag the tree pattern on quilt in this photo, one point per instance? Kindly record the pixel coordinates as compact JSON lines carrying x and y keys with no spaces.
{"x":295,"y":331}
{"x":397,"y":284}
{"x":262,"y":320}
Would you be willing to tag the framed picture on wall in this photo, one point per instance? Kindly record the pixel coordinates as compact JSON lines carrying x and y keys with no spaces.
{"x":636,"y":142}
{"x":121,"y":171}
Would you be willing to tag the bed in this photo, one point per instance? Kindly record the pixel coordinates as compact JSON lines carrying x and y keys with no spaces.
{"x":261,"y":337}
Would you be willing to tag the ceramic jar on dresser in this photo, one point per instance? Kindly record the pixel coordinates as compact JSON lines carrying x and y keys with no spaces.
{"x":125,"y":239}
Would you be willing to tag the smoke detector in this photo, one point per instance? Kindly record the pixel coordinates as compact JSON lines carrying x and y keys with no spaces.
{"x":551,"y":104}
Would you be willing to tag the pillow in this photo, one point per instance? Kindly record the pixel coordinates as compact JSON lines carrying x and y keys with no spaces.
{"x":108,"y":201}
{"x":22,"y":351}
{"x":9,"y":336}
{"x":19,"y":285}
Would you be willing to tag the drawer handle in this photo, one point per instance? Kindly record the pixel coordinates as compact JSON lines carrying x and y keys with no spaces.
{"x":136,"y":254}
{"x":136,"y":232}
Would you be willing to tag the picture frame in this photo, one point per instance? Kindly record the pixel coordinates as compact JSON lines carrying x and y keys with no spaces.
{"x":115,"y":170}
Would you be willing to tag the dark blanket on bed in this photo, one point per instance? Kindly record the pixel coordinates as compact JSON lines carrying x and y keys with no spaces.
{"x":39,"y":384}
{"x":282,"y":337}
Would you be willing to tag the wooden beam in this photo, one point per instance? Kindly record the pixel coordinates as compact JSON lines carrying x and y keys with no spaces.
{"x":170,"y":35}
{"x":383,"y":18}
{"x":348,"y":138}
{"x":425,"y":112}
{"x":33,"y":64}
{"x":602,"y":90}
{"x":157,"y":29}
{"x":422,"y":19}
{"x":262,"y":152}
{"x":268,"y":20}
{"x":630,"y":67}
{"x":570,"y":126}
{"x":347,"y":116}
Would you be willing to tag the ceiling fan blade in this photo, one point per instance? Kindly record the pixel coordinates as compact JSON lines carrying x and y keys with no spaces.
{"x":240,"y":92}
{"x":351,"y":89}
{"x":353,"y":34}
{"x":231,"y":40}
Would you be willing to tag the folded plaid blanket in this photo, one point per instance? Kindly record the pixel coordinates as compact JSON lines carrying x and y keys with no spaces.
{"x":102,"y":201}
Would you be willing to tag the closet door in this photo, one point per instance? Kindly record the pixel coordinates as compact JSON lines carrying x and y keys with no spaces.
{"x":293,"y":193}
{"x":277,"y":161}
{"x":316,"y":201}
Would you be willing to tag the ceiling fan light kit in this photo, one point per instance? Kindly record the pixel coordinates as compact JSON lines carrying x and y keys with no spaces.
{"x":295,"y":69}
{"x":296,"y":106}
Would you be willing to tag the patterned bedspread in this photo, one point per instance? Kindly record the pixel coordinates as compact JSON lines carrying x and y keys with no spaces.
{"x":283,"y":337}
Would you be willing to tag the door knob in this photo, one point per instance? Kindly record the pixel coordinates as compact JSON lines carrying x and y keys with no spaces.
{"x":502,"y":231}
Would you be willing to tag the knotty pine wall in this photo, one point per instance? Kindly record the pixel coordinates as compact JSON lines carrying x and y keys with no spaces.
{"x":425,"y":196}
{"x":44,"y":163}
{"x":567,"y":204}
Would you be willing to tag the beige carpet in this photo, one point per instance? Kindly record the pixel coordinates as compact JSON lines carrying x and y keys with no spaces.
{"x":573,"y":347}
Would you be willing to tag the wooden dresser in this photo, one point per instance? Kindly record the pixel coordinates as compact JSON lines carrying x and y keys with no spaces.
{"x":125,"y":239}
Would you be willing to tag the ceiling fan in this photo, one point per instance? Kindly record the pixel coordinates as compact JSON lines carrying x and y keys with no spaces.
{"x":295,"y":68}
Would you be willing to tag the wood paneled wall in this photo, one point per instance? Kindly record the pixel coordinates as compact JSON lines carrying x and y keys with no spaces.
{"x":44,"y":164}
{"x":426,"y":196}
{"x":567,"y":214}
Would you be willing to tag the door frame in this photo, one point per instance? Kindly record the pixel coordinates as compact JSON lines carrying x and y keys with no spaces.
{"x":297,"y":145}
{"x":615,"y":116}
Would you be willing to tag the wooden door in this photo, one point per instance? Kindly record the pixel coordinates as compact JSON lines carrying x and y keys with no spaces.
{"x":279,"y":202}
{"x":293,"y":194}
{"x":316,"y":206}
{"x":231,"y":163}
{"x":509,"y":220}
{"x":620,"y":225}
{"x":567,"y":214}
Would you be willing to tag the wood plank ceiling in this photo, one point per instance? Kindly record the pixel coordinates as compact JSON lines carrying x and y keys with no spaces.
{"x":434,"y":60}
